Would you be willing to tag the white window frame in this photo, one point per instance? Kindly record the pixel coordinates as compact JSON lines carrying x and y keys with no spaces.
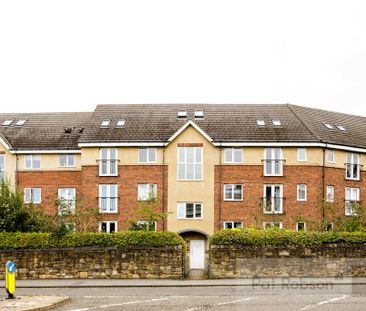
{"x":108,"y":226}
{"x":70,"y":203}
{"x":272,"y":211}
{"x":31,"y":195}
{"x":232,"y":186}
{"x":273,"y":160}
{"x":331,"y":159}
{"x":194,"y":163}
{"x":232,"y":152}
{"x":272,"y":223}
{"x":354,"y":160}
{"x":298,"y":193}
{"x":184,"y":216}
{"x":148,"y":160}
{"x":154,"y":191}
{"x":232,"y":224}
{"x":299,"y":154}
{"x":300,"y":222}
{"x":352,"y":196}
{"x":142,"y":222}
{"x":110,"y":163}
{"x":328,"y":197}
{"x":108,"y":198}
{"x":331,"y":227}
{"x":67,"y":158}
{"x":2,"y":169}
{"x":32,"y":156}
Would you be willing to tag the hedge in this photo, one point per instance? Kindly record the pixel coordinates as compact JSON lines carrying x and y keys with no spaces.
{"x":119,"y":239}
{"x":273,"y":237}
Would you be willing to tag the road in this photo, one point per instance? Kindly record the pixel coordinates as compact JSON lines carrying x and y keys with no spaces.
{"x":221,"y":298}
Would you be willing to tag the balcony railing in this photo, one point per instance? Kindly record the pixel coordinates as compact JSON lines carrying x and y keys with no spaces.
{"x":273,"y":205}
{"x":108,"y":167}
{"x":273,"y":167}
{"x":353,"y":171}
{"x":108,"y":204}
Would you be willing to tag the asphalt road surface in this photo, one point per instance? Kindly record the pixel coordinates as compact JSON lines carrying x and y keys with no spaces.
{"x":223,"y":298}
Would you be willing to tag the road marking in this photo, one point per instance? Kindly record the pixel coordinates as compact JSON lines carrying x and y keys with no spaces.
{"x":219,"y":304}
{"x":119,"y":304}
{"x":313,"y":306}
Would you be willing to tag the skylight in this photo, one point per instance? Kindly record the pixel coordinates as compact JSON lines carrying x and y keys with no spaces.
{"x":7,"y":122}
{"x":182,"y":113}
{"x":20,"y":122}
{"x":105,"y":123}
{"x":276,"y":122}
{"x":261,"y":123}
{"x":342,"y":128}
{"x":329,"y":126}
{"x":198,"y":113}
{"x":121,"y":122}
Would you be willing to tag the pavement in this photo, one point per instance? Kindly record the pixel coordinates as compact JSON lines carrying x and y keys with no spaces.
{"x":72,"y":283}
{"x":32,"y":302}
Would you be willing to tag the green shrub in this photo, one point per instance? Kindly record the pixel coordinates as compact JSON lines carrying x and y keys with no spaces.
{"x":276,"y":237}
{"x":18,"y":240}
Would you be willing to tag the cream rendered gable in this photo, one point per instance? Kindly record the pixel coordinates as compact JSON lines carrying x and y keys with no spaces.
{"x":10,"y":162}
{"x":191,"y":191}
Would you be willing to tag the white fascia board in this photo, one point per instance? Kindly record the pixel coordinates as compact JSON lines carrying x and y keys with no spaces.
{"x":44,"y":151}
{"x":5,"y":143}
{"x":346,"y":148}
{"x":117,"y":144}
{"x":195,"y":126}
{"x":277,"y":144}
{"x":269,"y":144}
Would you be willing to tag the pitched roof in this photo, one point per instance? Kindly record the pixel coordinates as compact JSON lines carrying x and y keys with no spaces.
{"x":229,"y":123}
{"x":44,"y":130}
{"x":159,"y":122}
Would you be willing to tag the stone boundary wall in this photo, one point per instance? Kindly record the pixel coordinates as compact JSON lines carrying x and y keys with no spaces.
{"x":96,"y":263}
{"x":333,"y":260}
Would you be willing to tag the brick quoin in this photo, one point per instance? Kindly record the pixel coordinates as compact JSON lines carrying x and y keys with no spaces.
{"x":129,"y":176}
{"x":250,"y":211}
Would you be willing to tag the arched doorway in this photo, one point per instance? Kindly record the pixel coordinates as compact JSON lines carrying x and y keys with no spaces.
{"x":197,"y":251}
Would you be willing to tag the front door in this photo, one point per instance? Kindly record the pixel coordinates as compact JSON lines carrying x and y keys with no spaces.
{"x":197,"y":254}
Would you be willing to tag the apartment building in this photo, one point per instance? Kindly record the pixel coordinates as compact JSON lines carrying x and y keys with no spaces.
{"x":211,"y":166}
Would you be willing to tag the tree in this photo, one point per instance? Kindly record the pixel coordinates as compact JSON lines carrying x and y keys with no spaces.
{"x":78,"y":215}
{"x":149,"y":214}
{"x":16,"y":216}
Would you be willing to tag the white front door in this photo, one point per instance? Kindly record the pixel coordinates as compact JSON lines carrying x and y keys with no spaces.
{"x":197,"y":254}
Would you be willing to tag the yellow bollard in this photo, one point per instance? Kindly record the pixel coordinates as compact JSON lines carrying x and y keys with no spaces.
{"x":10,"y":279}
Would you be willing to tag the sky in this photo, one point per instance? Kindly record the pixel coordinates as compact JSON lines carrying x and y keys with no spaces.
{"x":72,"y":55}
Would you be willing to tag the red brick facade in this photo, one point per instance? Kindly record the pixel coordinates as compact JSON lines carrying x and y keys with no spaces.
{"x":250,"y":209}
{"x":50,"y":182}
{"x":129,"y":176}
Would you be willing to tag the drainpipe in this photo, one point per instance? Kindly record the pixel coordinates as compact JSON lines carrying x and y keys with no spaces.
{"x":163,"y":187}
{"x":220,"y":186}
{"x":323,"y":186}
{"x":16,"y":171}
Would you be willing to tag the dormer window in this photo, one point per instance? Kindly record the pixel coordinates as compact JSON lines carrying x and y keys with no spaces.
{"x":7,"y":122}
{"x":105,"y":123}
{"x":276,"y":122}
{"x":121,"y":122}
{"x":329,"y":126}
{"x":20,"y":122}
{"x":182,"y":113}
{"x":261,"y":123}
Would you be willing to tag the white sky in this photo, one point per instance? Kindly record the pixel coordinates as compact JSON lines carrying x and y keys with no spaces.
{"x":73,"y":55}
